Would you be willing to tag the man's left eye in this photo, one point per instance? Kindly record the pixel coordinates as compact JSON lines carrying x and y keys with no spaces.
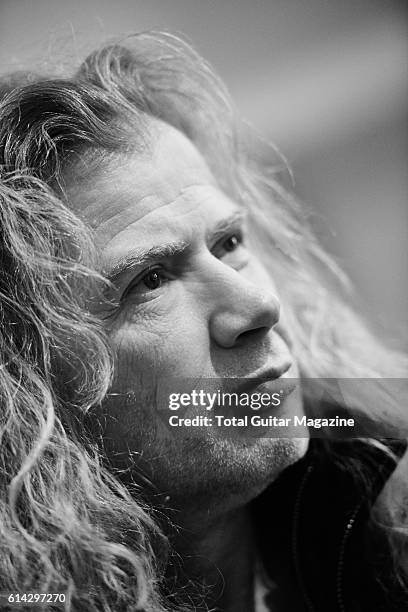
{"x":231,"y":243}
{"x":232,"y":251}
{"x":228,"y":245}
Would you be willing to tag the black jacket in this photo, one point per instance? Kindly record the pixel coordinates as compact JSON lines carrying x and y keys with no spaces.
{"x":318,"y":548}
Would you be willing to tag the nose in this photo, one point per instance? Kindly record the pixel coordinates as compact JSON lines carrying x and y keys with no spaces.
{"x":240,"y":308}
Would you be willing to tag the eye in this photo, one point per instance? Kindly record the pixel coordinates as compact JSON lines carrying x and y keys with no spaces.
{"x":229,"y":244}
{"x":231,"y":249}
{"x":232,"y":243}
{"x":151,"y":280}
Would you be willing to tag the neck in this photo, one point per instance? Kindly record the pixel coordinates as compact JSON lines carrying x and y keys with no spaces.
{"x":218,"y":554}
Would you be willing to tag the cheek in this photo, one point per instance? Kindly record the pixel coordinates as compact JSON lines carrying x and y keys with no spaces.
{"x":171,"y":342}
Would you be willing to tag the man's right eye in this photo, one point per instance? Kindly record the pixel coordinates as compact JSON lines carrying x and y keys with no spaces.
{"x":152,"y":280}
{"x":149,"y":281}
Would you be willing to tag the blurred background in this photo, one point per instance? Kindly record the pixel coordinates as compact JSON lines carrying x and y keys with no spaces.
{"x":325,"y":80}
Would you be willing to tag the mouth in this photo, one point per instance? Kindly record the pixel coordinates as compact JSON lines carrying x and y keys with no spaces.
{"x":274,"y":372}
{"x":280,"y":380}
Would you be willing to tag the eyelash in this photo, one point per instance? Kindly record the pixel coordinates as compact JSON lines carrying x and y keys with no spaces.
{"x":239,"y":240}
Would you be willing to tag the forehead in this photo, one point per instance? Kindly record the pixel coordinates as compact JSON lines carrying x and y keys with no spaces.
{"x":158,"y":191}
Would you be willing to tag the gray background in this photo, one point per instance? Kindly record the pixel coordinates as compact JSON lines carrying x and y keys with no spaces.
{"x":325,"y":80}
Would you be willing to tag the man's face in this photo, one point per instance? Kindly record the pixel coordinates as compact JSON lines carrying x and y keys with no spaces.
{"x":192,"y":301}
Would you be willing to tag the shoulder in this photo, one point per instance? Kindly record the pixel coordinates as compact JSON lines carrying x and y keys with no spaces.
{"x":319,"y":514}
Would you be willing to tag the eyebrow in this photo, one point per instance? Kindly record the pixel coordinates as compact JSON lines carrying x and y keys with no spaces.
{"x":225,"y":225}
{"x":139,"y":257}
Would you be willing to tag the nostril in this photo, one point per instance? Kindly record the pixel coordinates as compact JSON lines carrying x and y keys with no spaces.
{"x":251,"y":334}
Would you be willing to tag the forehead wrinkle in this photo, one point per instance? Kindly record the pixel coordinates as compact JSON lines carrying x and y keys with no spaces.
{"x":127,"y":181}
{"x":152,"y":216}
{"x":136,"y":188}
{"x":115,"y":203}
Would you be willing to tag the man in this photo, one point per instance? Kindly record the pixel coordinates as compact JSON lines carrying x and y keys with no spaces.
{"x":140,"y":246}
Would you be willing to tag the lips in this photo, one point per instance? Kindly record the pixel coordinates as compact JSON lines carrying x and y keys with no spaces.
{"x":267,"y":375}
{"x":271,"y":380}
{"x":273,"y":372}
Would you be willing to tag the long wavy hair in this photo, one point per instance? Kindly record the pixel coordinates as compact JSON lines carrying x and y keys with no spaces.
{"x":67,"y":523}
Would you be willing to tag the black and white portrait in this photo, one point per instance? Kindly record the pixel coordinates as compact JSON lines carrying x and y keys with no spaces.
{"x":203,"y":299}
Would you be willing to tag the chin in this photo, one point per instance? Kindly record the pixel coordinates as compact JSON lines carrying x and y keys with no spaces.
{"x":271,"y":457}
{"x":240,"y":472}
